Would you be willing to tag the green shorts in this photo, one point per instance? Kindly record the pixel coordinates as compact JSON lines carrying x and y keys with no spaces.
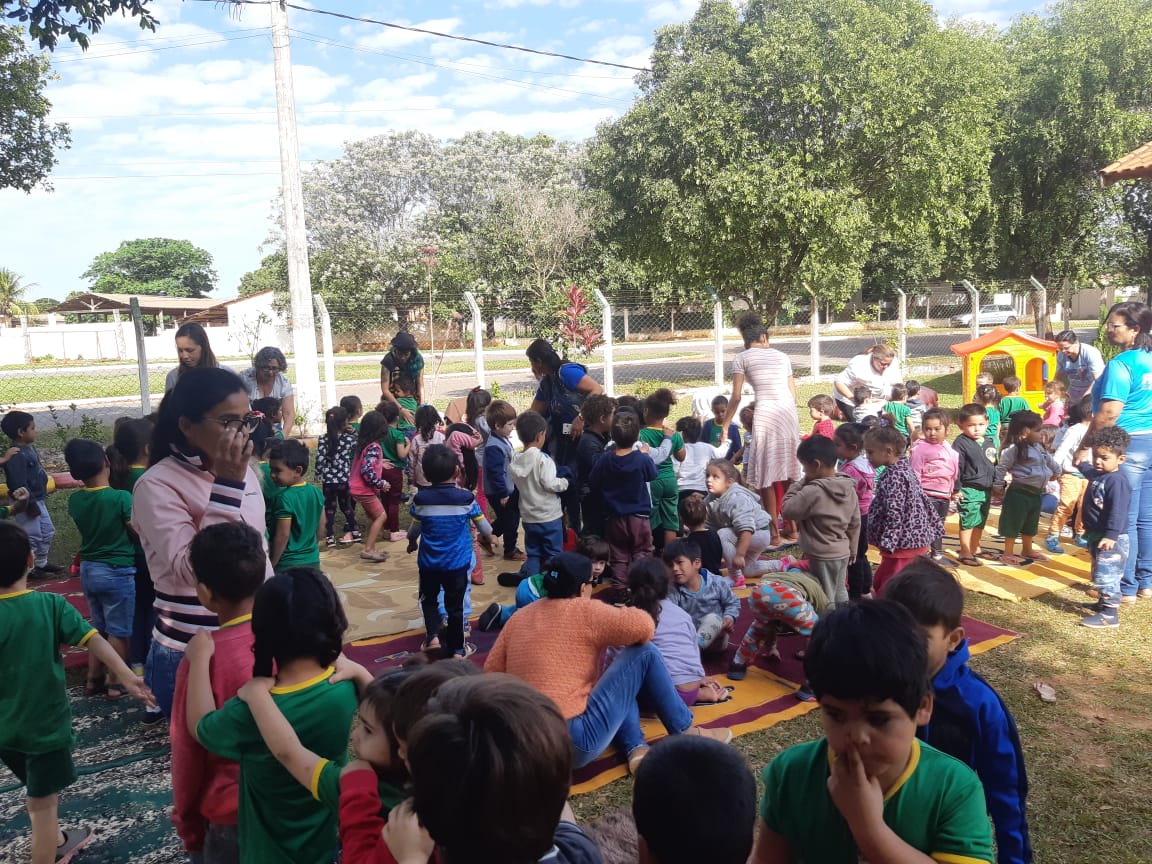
{"x":43,"y":774}
{"x":973,"y":507}
{"x":1020,"y":512}
{"x":665,"y":505}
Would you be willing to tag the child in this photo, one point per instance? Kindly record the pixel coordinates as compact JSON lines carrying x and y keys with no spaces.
{"x":1055,"y":395}
{"x":298,"y":626}
{"x":714,"y":433}
{"x":375,"y":483}
{"x":355,"y":409}
{"x":271,"y":408}
{"x":869,"y":790}
{"x":1011,"y":403}
{"x":442,"y":516}
{"x":734,"y":512}
{"x":103,"y":516}
{"x":902,"y":522}
{"x":969,"y":719}
{"x":1106,"y":522}
{"x":620,"y":479}
{"x":676,"y":636}
{"x":596,"y":412}
{"x":694,"y":517}
{"x":663,"y":517}
{"x":896,"y":412}
{"x":539,"y":485}
{"x":427,"y":433}
{"x":334,"y":453}
{"x":716,"y":827}
{"x":464,"y":440}
{"x":404,"y":388}
{"x":23,"y":470}
{"x":988,"y":397}
{"x":1072,"y":482}
{"x":916,"y":405}
{"x":820,"y":409}
{"x":707,"y":597}
{"x":937,"y":467}
{"x":747,"y":419}
{"x":1030,"y":466}
{"x":229,"y":562}
{"x":298,"y":509}
{"x":691,"y":472}
{"x":394,"y":447}
{"x":826,"y":510}
{"x":975,"y":473}
{"x":498,"y":486}
{"x":35,"y":717}
{"x":849,"y":440}
{"x":476,"y":417}
{"x":865,"y":405}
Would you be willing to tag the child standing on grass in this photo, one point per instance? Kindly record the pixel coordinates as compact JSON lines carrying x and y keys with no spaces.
{"x":1106,"y":522}
{"x":902,"y":522}
{"x":537,"y":479}
{"x":334,"y":453}
{"x":1055,"y":402}
{"x":128,"y":458}
{"x":825,"y":508}
{"x":24,"y":471}
{"x":714,"y":433}
{"x":103,"y":516}
{"x":916,"y":405}
{"x":937,"y":467}
{"x":747,"y":418}
{"x":1030,"y":466}
{"x":735,"y":513}
{"x":854,"y":464}
{"x":376,"y":483}
{"x":298,"y":509}
{"x":1072,"y":482}
{"x":664,"y":518}
{"x":36,"y":737}
{"x":597,"y":412}
{"x":896,"y":410}
{"x":820,"y":408}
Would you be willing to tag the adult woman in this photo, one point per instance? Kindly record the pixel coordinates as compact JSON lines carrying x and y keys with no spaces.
{"x":1123,"y":397}
{"x":266,"y":378}
{"x":194,"y":352}
{"x":403,"y":359}
{"x":771,"y":453}
{"x":1079,"y":364}
{"x":876,"y":369}
{"x":556,"y":643}
{"x":198,"y":475}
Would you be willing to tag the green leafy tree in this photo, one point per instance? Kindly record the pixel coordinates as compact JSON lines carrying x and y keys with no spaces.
{"x":271,"y":275}
{"x":156,"y":266}
{"x":1138,"y":218}
{"x":12,"y":290}
{"x":28,"y":141}
{"x":48,"y":20}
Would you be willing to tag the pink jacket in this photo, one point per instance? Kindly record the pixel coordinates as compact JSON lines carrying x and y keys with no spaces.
{"x":863,"y":477}
{"x":936,"y":466}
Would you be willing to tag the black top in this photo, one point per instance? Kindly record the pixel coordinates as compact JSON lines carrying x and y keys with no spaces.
{"x":711,"y":549}
{"x":1106,"y":502}
{"x":977,"y":462}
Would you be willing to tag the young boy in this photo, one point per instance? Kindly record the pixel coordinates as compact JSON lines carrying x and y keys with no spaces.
{"x":969,"y":719}
{"x":1106,"y":527}
{"x":937,"y":467}
{"x":24,"y":471}
{"x":694,"y":517}
{"x":869,"y":790}
{"x":498,"y":488}
{"x":442,"y":516}
{"x":539,"y":484}
{"x":865,"y":405}
{"x":35,"y":717}
{"x":620,"y":479}
{"x":405,"y":389}
{"x":107,"y":554}
{"x":707,"y":597}
{"x":916,"y":405}
{"x":975,"y":474}
{"x":229,"y":563}
{"x":1011,"y":402}
{"x":896,"y":410}
{"x":355,"y":409}
{"x":298,"y":510}
{"x":714,"y":432}
{"x":716,"y":827}
{"x":820,"y":408}
{"x":826,"y":510}
{"x":271,"y":408}
{"x":597,"y":412}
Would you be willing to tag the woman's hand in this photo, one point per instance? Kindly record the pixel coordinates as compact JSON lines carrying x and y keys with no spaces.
{"x":577,"y":426}
{"x":233,"y":450}
{"x":407,"y":416}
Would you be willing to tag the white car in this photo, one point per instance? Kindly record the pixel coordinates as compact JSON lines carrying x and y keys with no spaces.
{"x":989,"y":315}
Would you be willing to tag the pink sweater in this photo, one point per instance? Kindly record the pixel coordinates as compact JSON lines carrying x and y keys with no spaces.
{"x":936,"y":466}
{"x":863,"y":477}
{"x":170,"y":504}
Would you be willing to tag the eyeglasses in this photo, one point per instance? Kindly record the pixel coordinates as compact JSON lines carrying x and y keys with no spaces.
{"x":1121,"y":326}
{"x":274,"y":368}
{"x":248,"y":422}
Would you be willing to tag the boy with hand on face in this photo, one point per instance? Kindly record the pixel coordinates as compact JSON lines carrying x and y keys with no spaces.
{"x":298,"y":511}
{"x":707,"y":597}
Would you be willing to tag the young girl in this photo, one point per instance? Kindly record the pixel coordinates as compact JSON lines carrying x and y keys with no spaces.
{"x":355,"y":409}
{"x":1030,"y":466}
{"x":902,"y":522}
{"x":298,"y":626}
{"x":849,"y":440}
{"x":1054,"y":403}
{"x":375,"y":483}
{"x":334,"y":452}
{"x":477,"y":405}
{"x":664,"y":518}
{"x":1072,"y":482}
{"x":988,"y":396}
{"x":735,"y":513}
{"x":427,"y":433}
{"x":937,"y":467}
{"x":691,"y":472}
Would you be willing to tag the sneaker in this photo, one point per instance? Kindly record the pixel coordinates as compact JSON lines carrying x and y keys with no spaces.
{"x":331,"y":541}
{"x":490,"y":618}
{"x":723,"y":735}
{"x":356,"y":537}
{"x":397,"y":536}
{"x":737,"y":672}
{"x":74,"y":840}
{"x":53,"y":569}
{"x":38,"y":573}
{"x":378,"y":557}
{"x":1128,"y":599}
{"x":738,"y":581}
{"x":1066,"y":532}
{"x":151,"y":718}
{"x":515,"y":555}
{"x":942,"y":559}
{"x":468,"y":650}
{"x":1107,"y":617}
{"x":1144,"y":593}
{"x":349,"y":538}
{"x":1080,"y":541}
{"x":804,"y":693}
{"x":509,"y":580}
{"x":1052,"y":544}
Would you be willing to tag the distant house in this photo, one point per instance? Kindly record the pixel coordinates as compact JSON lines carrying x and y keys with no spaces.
{"x":113,"y":307}
{"x":249,"y":323}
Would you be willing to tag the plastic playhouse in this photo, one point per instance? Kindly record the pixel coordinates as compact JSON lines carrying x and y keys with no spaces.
{"x":1008,"y":352}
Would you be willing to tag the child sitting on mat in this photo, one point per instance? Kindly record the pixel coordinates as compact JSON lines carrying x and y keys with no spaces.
{"x":707,"y":597}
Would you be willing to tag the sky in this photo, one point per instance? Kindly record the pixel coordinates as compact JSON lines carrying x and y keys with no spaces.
{"x":174,"y":132}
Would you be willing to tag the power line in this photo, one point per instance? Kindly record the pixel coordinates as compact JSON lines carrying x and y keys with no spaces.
{"x":55,"y":178}
{"x":194,"y":44}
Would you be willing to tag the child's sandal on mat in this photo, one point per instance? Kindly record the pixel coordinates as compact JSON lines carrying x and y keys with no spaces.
{"x":1014,"y":560}
{"x":970,"y":561}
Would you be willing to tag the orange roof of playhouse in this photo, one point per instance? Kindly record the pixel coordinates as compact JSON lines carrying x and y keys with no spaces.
{"x":999,"y":335}
{"x":1137,"y":165}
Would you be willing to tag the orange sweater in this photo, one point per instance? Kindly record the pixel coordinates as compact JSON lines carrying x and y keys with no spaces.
{"x":557,"y":646}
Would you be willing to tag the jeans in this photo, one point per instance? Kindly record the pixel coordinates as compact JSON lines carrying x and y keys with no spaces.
{"x":1108,"y":568}
{"x":454,"y":584}
{"x":543,"y":541}
{"x":111,"y":595}
{"x":40,"y":531}
{"x":160,"y":674}
{"x":612,"y":714}
{"x":1138,"y":569}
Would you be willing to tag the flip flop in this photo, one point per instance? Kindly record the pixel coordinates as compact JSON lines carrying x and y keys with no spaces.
{"x":1036,"y":556}
{"x":1046,"y":692}
{"x":1014,"y":561}
{"x":114,"y":692}
{"x":704,"y":704}
{"x":988,"y":556}
{"x":970,"y":561}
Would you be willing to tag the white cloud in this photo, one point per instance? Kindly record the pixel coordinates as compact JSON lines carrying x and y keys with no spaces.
{"x":515,"y":4}
{"x":388,"y":37}
{"x":673,"y":11}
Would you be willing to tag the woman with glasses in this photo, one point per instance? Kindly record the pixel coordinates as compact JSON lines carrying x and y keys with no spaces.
{"x":876,"y":369}
{"x":198,"y":476}
{"x":266,"y":378}
{"x":194,"y":352}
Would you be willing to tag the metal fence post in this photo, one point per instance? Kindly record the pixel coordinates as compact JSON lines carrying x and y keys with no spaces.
{"x":326,"y":346}
{"x":902,"y":327}
{"x":141,"y":356}
{"x":814,"y":349}
{"x":606,"y":327}
{"x":1040,"y":305}
{"x":477,"y":336}
{"x":974,"y":297}
{"x":718,"y":342}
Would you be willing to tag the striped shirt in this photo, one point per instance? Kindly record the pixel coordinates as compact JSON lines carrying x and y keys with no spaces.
{"x":440,"y":518}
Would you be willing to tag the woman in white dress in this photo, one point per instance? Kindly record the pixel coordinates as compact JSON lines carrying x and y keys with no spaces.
{"x":771,"y":454}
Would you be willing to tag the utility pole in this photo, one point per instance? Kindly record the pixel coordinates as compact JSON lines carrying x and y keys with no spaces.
{"x":299,"y":282}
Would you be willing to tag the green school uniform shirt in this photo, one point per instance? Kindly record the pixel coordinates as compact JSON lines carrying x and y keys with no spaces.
{"x":388,"y":445}
{"x":304,"y":505}
{"x":900,"y":414}
{"x":993,"y":421}
{"x":280,"y":820}
{"x":654,"y":438}
{"x":411,"y":403}
{"x":271,"y":493}
{"x":135,"y":472}
{"x":937,"y":806}
{"x":1010,"y":405}
{"x":34,"y":713}
{"x":102,"y":514}
{"x":326,"y":788}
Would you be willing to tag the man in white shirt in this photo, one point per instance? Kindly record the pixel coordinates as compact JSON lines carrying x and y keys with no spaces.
{"x":1078,"y":363}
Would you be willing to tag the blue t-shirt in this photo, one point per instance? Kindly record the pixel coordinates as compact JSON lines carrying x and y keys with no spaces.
{"x":1128,"y":379}
{"x":564,"y":401}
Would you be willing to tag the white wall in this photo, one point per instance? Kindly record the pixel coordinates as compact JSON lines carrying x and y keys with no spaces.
{"x":109,"y":341}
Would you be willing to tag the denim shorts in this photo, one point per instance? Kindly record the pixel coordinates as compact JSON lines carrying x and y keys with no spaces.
{"x":111,"y":595}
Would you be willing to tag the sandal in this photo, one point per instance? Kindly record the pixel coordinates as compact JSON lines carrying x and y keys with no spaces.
{"x":114,"y":692}
{"x":1036,"y":556}
{"x":969,"y":561}
{"x":374,"y":555}
{"x":1014,"y":560}
{"x":988,"y":556}
{"x":636,"y":757}
{"x":1046,"y":692}
{"x":95,"y":687}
